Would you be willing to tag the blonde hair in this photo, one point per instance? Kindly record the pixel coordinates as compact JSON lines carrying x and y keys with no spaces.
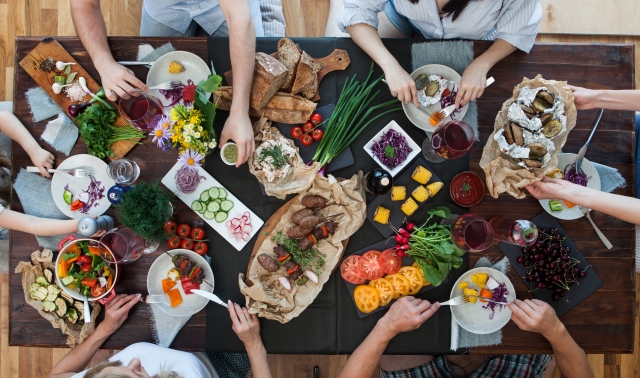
{"x":95,"y":371}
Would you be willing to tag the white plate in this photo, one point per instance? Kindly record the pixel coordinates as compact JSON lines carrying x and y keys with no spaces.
{"x":474,"y":318}
{"x":194,"y":68}
{"x":593,"y":183}
{"x":78,"y":184}
{"x":238,"y":207}
{"x":417,"y":117}
{"x":191,"y":303}
{"x":414,"y":147}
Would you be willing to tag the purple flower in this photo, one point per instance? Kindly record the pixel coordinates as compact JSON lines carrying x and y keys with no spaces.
{"x":161,"y":132}
{"x":191,"y":159}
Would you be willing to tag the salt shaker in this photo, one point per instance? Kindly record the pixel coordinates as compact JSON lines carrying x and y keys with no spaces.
{"x":89,"y":225}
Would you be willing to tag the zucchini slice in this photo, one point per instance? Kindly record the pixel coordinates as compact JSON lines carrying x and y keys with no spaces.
{"x":72,"y":315}
{"x":34,"y":286}
{"x":40,"y":294}
{"x":42,"y":281}
{"x":48,"y":306}
{"x":61,"y":307}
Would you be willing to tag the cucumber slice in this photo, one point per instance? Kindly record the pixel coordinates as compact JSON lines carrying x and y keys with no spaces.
{"x":209,"y":215}
{"x":66,"y":280}
{"x":196,"y":206}
{"x":67,"y":196}
{"x":204,"y":196}
{"x":218,"y":200}
{"x":226,"y":205}
{"x":221,"y":216}
{"x":213,"y":207}
{"x":213,"y":192}
{"x":222,"y":193}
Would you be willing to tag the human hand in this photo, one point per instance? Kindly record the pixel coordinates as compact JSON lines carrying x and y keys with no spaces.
{"x":584,"y":98}
{"x":472,"y":84}
{"x":239,"y":129}
{"x":535,"y":316}
{"x":245,"y":325}
{"x":401,"y":85}
{"x":549,"y":188}
{"x":117,"y":80}
{"x":117,"y":311}
{"x":407,"y":314}
{"x":42,"y":159}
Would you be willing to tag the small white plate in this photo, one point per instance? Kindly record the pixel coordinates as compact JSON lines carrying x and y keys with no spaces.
{"x":417,"y":117}
{"x":78,"y":184}
{"x":191,"y":303}
{"x":415,"y":149}
{"x":593,"y":183}
{"x":194,"y":68}
{"x":474,"y":318}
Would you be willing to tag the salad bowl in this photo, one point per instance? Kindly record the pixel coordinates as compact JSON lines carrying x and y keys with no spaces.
{"x":415,"y":149}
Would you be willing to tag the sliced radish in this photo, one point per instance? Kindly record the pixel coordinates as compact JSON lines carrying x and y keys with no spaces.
{"x":235,"y":221}
{"x":284,"y":281}
{"x":245,"y":236}
{"x":246,"y":228}
{"x":228,"y":223}
{"x":247,"y":214}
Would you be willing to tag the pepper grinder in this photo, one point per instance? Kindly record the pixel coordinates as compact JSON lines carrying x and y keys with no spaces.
{"x":88,"y":226}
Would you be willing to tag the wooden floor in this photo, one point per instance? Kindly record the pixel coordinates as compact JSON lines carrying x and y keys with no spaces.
{"x":305,"y":18}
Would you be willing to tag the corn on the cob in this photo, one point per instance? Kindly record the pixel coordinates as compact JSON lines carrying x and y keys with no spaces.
{"x":421,"y":194}
{"x":175,"y":67}
{"x":434,"y":188}
{"x":409,"y":206}
{"x":421,"y":175}
{"x":398,"y":193}
{"x":474,"y":293}
{"x":382,"y":215}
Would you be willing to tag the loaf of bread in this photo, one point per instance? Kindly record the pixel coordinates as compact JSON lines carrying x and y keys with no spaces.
{"x":283,"y":107}
{"x":268,"y":76}
{"x":289,"y":55}
{"x":306,"y":81}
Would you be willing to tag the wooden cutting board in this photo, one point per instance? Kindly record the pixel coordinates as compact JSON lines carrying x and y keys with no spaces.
{"x":50,"y":48}
{"x":338,"y":60}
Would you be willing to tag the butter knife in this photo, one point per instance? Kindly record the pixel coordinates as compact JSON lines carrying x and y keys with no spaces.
{"x":583,"y":150}
{"x":134,"y":63}
{"x":210,"y":296}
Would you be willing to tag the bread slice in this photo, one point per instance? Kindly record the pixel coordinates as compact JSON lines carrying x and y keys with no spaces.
{"x":289,"y":55}
{"x":306,"y":81}
{"x":268,"y":76}
{"x":283,"y":107}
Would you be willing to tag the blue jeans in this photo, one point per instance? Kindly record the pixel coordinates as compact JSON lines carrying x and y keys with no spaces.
{"x":637,"y":153}
{"x":401,"y":22}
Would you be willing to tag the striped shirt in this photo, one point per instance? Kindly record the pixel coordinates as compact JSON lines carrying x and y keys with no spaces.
{"x":517,"y":23}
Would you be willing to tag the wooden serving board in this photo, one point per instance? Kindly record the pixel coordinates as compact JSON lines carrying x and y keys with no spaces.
{"x":338,"y":60}
{"x":50,"y":48}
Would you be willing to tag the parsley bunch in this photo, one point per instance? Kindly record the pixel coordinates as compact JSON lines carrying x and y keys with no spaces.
{"x":311,"y":259}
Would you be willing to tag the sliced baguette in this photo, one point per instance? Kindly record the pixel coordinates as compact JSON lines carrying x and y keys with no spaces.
{"x":268,"y":76}
{"x":289,"y":55}
{"x":306,"y":81}
{"x":283,"y":107}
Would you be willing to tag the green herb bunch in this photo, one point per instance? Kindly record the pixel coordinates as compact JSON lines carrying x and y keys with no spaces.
{"x":310,"y":259}
{"x":144,"y":209}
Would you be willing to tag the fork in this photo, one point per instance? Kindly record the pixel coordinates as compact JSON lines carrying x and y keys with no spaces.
{"x":164,"y":86}
{"x":76,"y":172}
{"x":444,"y":113}
{"x":607,"y":243}
{"x":155,"y":299}
{"x":462,"y":299}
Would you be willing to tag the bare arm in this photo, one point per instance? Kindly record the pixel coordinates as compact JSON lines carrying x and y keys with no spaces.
{"x":14,"y":220}
{"x":247,"y":327}
{"x":14,"y":129}
{"x":606,"y":99}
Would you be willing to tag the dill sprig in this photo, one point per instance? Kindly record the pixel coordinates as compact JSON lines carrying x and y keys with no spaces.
{"x":275,"y":152}
{"x":144,"y":209}
{"x":310,"y":259}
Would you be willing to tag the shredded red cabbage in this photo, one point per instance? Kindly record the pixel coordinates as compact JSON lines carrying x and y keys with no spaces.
{"x":187,"y":180}
{"x":95,"y":193}
{"x":500,"y":295}
{"x":392,"y":150}
{"x":579,"y":178}
{"x":174,"y":94}
{"x":450,"y":99}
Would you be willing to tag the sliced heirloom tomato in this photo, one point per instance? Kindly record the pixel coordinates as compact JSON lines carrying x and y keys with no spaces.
{"x":367,"y":298}
{"x":98,"y":290}
{"x":385,"y":289}
{"x":369,"y":265}
{"x":350,"y":270}
{"x":414,"y":276}
{"x":400,"y":283}
{"x":389,"y":261}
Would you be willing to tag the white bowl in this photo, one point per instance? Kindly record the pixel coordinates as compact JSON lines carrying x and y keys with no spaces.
{"x":378,"y":137}
{"x":222,"y":153}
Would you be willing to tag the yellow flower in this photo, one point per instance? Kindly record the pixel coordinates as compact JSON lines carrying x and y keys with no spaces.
{"x":187,"y":139}
{"x":174,"y":114}
{"x":200,"y":128}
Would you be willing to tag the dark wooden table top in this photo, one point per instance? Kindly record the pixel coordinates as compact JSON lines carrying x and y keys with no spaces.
{"x":602,"y":323}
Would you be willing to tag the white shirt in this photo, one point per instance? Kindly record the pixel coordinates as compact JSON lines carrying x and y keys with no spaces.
{"x":517,"y":23}
{"x":153,"y":357}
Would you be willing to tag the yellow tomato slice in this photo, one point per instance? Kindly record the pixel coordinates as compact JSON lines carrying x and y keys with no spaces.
{"x":415,"y":278}
{"x":385,"y":289}
{"x":367,"y":298}
{"x":401,"y":285}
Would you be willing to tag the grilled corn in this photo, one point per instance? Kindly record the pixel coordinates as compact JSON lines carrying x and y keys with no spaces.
{"x":175,"y":67}
{"x":398,"y":193}
{"x":381,"y":215}
{"x":421,"y":193}
{"x":421,"y":175}
{"x":434,"y":188}
{"x":409,"y":206}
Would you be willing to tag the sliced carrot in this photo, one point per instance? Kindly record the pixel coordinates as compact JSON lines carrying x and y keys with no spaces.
{"x":569,"y":204}
{"x":168,"y":285}
{"x":485,"y":293}
{"x":109,"y":281}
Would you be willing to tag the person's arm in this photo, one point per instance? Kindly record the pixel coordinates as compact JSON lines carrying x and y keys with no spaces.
{"x":537,"y":316}
{"x":606,"y":99}
{"x":621,"y":207}
{"x":116,"y":312}
{"x":14,"y":220}
{"x":247,"y":327}
{"x":89,"y":23}
{"x":14,"y":129}
{"x":242,"y":47}
{"x":407,"y":314}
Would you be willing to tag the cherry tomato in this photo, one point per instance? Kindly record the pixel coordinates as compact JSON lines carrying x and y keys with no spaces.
{"x":201,"y":248}
{"x":174,"y":242}
{"x":197,"y":233}
{"x":86,"y":268}
{"x":184,"y":230}
{"x":89,"y":282}
{"x":308,"y":126}
{"x":170,"y":227}
{"x":77,"y":204}
{"x":84,"y":259}
{"x":317,"y":134}
{"x":98,"y":290}
{"x":187,"y":244}
{"x":306,"y":140}
{"x":296,"y":132}
{"x":316,"y":118}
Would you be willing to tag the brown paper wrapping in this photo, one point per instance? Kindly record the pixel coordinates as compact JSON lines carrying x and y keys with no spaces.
{"x":297,"y":180}
{"x":503,"y":174}
{"x":266,"y":297}
{"x":30,"y":271}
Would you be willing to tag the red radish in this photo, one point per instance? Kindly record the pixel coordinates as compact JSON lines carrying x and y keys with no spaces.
{"x":410,"y":226}
{"x":400,"y":253}
{"x":399,"y":238}
{"x":404,"y":232}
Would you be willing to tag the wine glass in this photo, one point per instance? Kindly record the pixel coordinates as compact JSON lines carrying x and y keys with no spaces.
{"x":451,"y":140}
{"x":140,"y":109}
{"x":471,"y":233}
{"x":125,"y":245}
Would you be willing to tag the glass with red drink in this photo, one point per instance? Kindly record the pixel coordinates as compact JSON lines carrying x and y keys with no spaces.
{"x":140,"y":109}
{"x":449,"y":141}
{"x":471,"y":233}
{"x":125,"y":245}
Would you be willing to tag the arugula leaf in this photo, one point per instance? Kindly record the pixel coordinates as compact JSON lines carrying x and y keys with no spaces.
{"x":440,"y":211}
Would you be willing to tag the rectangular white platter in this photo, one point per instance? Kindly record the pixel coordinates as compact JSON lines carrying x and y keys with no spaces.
{"x":238,"y":207}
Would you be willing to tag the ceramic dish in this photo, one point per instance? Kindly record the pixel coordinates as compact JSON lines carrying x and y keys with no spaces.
{"x":78,"y":184}
{"x":593,"y":183}
{"x":415,"y":149}
{"x":194,"y":68}
{"x":224,"y":160}
{"x":417,"y":117}
{"x":474,"y":318}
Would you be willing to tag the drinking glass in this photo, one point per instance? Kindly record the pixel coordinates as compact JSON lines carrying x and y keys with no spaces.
{"x":471,"y":233}
{"x":123,"y":171}
{"x":140,"y":109}
{"x":126,"y":247}
{"x":449,"y":141}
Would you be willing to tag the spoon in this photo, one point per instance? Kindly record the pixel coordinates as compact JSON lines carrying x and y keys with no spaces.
{"x":60,"y":66}
{"x":585,"y":211}
{"x":87,"y":310}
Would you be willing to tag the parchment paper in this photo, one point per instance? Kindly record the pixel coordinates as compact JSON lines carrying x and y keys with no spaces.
{"x":502,"y":172}
{"x":297,"y":180}
{"x":30,"y":271}
{"x":266,"y":297}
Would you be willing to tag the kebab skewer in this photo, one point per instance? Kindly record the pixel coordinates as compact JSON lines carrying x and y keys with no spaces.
{"x":294,"y":271}
{"x":188,"y":269}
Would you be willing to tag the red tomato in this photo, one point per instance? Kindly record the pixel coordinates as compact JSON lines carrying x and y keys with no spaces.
{"x":369,"y":265}
{"x":84,"y":259}
{"x":197,"y":233}
{"x":170,"y":227}
{"x":174,"y":242}
{"x":308,"y":126}
{"x":184,"y":230}
{"x":306,"y":140}
{"x":201,"y":248}
{"x":98,"y":290}
{"x":187,"y":285}
{"x":187,"y":244}
{"x":296,"y":132}
{"x":350,"y":270}
{"x":389,"y":261}
{"x":316,"y":118}
{"x":77,"y":204}
{"x":86,"y":268}
{"x":317,"y":134}
{"x":89,"y":282}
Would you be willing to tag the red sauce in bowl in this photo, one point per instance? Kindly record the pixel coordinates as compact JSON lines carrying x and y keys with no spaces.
{"x":467,"y":189}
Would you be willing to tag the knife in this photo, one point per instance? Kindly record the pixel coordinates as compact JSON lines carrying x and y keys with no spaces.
{"x":583,"y":150}
{"x":210,"y":296}
{"x":133,"y":63}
